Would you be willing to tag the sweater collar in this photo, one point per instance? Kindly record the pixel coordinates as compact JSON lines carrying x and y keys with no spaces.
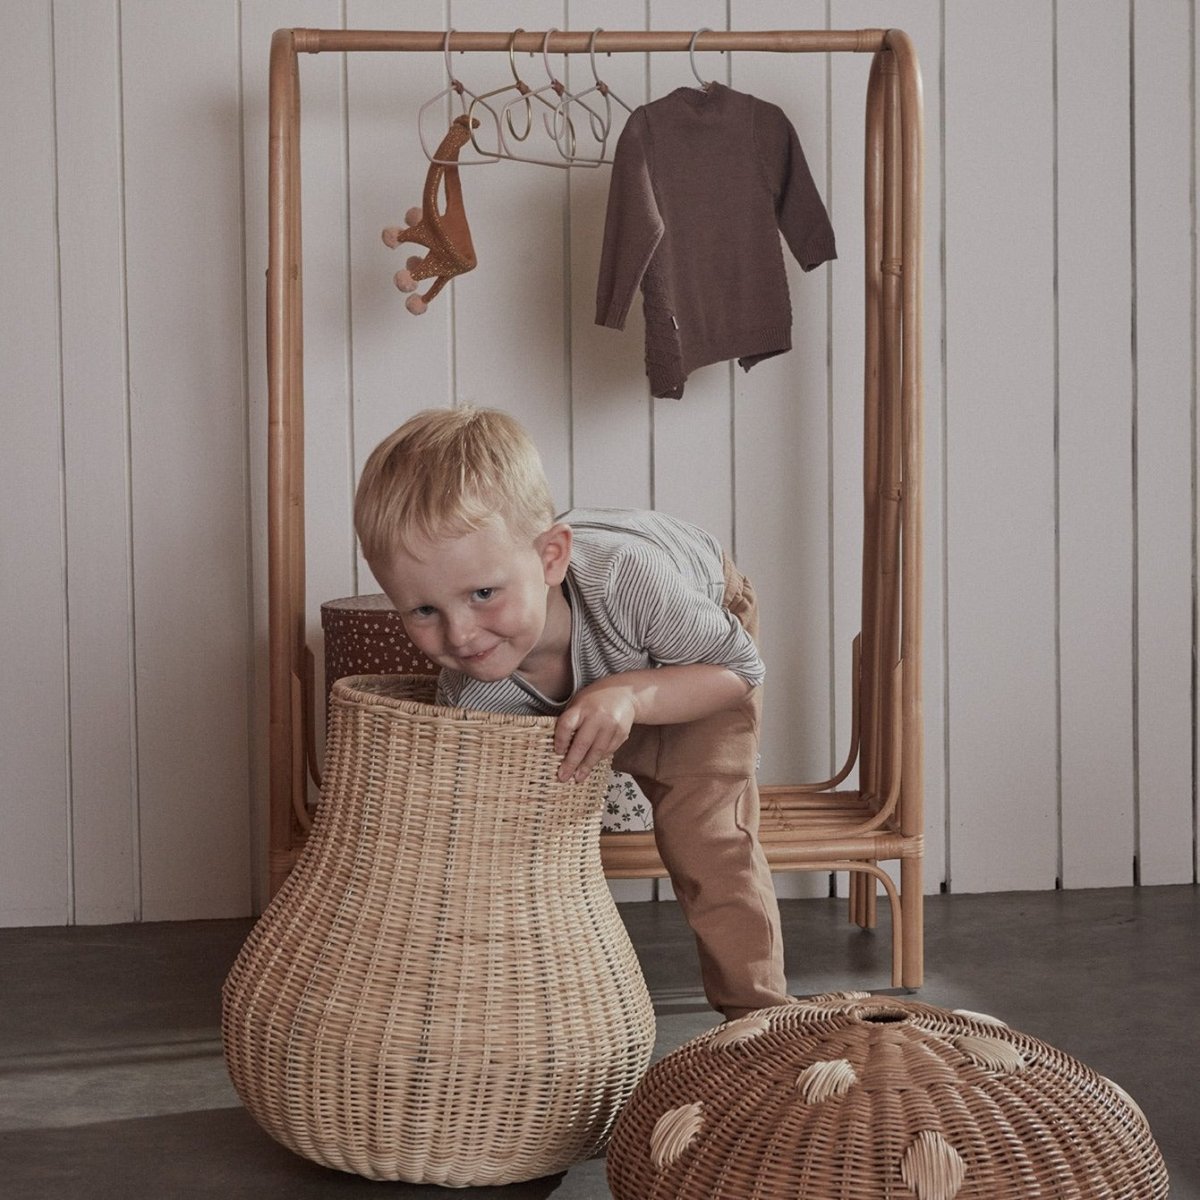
{"x":702,"y":99}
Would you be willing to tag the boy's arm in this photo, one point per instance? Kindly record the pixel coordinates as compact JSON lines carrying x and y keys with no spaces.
{"x":597,"y":721}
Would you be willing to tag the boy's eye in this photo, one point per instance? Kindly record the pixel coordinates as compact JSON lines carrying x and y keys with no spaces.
{"x":423,"y":610}
{"x":484,"y":593}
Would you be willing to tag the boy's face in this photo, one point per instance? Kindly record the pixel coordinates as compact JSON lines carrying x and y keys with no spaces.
{"x":477,"y":603}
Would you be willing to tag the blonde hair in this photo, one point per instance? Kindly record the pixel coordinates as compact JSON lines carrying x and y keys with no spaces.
{"x":446,"y":472}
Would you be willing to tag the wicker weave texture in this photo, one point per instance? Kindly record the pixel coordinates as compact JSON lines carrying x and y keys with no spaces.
{"x":851,"y":1097}
{"x":442,"y":991}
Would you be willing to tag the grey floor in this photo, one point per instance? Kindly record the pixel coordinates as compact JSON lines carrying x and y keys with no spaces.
{"x":112,"y":1084}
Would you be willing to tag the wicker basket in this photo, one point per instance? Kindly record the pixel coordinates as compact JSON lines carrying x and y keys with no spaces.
{"x":442,"y":991}
{"x":863,"y":1098}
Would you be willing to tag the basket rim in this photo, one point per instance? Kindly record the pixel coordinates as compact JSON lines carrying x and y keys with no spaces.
{"x":351,"y":690}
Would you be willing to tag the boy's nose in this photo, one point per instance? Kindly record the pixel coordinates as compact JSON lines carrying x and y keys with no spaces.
{"x":460,"y":630}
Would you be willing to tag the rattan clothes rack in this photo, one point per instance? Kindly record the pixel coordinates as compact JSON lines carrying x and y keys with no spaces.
{"x":815,"y":827}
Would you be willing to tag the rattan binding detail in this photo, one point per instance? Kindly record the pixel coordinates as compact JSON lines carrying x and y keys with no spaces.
{"x":875,"y":1098}
{"x":442,"y":991}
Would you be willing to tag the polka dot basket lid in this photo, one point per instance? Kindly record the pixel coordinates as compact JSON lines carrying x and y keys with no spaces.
{"x":852,"y":1097}
{"x":364,"y":635}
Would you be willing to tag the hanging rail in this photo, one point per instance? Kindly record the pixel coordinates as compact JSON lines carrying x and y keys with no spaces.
{"x":790,"y":41}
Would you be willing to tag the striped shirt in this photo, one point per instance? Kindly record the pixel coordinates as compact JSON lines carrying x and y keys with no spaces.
{"x":645,"y":590}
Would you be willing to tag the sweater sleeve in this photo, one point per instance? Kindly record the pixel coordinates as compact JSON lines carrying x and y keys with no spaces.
{"x":661,"y":614}
{"x":802,"y":218}
{"x":633,"y":225}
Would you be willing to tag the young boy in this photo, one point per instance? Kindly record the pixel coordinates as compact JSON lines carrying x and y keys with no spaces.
{"x":632,"y":628}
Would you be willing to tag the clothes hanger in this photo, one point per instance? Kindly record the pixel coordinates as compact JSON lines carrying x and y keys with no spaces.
{"x":462,"y":92}
{"x":705,"y":84}
{"x":600,"y":126}
{"x":559,"y":125}
{"x":523,"y":90}
{"x":598,"y":83}
{"x":528,"y":95}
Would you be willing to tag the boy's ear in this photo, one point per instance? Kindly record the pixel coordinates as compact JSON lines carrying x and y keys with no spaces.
{"x":554,"y":546}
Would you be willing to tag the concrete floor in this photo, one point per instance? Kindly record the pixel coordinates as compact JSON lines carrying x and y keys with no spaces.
{"x":112,"y":1083}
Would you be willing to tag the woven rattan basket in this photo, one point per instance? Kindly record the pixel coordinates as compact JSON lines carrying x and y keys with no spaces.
{"x":848,"y":1097}
{"x":442,"y":991}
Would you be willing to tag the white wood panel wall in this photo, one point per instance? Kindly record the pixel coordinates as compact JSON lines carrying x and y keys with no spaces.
{"x":36,"y":851}
{"x":1000,"y":443}
{"x":1164,"y":394}
{"x":1060,"y":286}
{"x":1095,"y":484}
{"x":103,"y":798}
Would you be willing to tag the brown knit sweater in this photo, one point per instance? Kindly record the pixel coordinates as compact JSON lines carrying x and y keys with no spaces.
{"x":701,"y":181}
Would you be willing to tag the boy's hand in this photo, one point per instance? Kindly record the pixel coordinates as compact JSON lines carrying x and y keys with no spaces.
{"x":596,"y":724}
{"x":598,"y":720}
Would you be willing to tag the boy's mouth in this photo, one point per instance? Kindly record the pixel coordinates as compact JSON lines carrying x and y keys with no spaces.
{"x":477,"y":659}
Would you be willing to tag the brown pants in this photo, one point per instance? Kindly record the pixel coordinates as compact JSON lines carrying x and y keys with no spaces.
{"x":700,"y":780}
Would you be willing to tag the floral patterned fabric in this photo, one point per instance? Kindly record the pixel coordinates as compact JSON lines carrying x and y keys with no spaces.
{"x":625,"y":807}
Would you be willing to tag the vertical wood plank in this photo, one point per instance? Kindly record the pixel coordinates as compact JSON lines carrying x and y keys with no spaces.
{"x":330,"y":558}
{"x":254,"y":39}
{"x":186,"y":341}
{"x":1195,"y":117}
{"x":848,"y":89}
{"x":511,"y":317}
{"x":782,"y":462}
{"x":95,"y":409}
{"x":401,"y":364}
{"x":1095,"y":495}
{"x":691,"y":437}
{"x":35,"y":799}
{"x":1164,"y":398}
{"x":782,"y":454}
{"x":921,"y":20}
{"x":1000,"y":452}
{"x":328,"y":335}
{"x":610,"y":400}
{"x":847,"y":102}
